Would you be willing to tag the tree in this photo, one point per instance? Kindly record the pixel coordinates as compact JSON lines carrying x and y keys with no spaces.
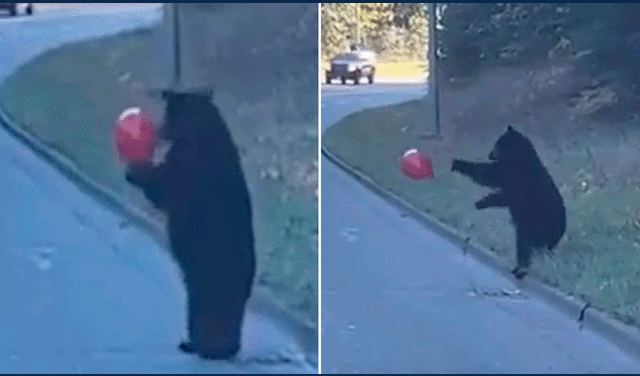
{"x":337,"y":22}
{"x":393,"y":29}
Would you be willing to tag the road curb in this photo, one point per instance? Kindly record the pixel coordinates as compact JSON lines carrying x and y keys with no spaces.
{"x":261,"y":296}
{"x":626,"y":337}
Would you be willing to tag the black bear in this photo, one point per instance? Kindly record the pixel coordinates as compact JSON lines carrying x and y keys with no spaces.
{"x":526,"y":188}
{"x":202,"y":189}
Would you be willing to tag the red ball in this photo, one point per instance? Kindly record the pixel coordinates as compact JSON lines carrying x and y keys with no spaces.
{"x":416,"y":165}
{"x":135,"y":136}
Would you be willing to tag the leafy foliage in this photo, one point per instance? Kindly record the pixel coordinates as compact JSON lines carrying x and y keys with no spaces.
{"x":393,"y":30}
{"x":599,"y":43}
{"x":337,"y":27}
{"x":596,"y":36}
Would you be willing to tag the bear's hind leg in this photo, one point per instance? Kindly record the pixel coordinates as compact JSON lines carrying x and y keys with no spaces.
{"x":219,"y":334}
{"x":190,"y":346}
{"x":523,"y":255}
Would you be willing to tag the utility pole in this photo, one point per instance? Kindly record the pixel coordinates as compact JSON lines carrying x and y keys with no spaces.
{"x":433,"y":63}
{"x":176,"y":47}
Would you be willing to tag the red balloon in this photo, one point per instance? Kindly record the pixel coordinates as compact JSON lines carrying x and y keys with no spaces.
{"x":416,"y":165}
{"x":135,"y":137}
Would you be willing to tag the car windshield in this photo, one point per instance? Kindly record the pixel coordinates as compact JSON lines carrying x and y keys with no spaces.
{"x":349,"y":57}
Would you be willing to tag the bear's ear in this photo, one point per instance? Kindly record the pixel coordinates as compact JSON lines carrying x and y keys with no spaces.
{"x":509,"y":129}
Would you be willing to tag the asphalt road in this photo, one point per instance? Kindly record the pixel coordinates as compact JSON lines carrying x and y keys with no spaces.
{"x":80,"y":291}
{"x":339,"y":100}
{"x":397,"y":298}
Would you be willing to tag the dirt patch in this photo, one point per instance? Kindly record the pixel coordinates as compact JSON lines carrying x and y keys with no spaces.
{"x":70,"y":97}
{"x":592,"y":155}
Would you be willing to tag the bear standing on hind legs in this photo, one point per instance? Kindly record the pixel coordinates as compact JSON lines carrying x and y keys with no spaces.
{"x":526,"y":188}
{"x":202,"y":189}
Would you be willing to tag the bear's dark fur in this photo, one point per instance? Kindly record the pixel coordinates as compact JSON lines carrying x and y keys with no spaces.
{"x":526,"y":188}
{"x":202,"y":189}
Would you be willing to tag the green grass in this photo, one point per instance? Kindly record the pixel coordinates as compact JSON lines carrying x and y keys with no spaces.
{"x":61,"y":97}
{"x":599,"y":257}
{"x":70,"y":97}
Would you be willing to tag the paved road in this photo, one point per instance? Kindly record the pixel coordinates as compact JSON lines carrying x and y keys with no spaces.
{"x":398,"y":298}
{"x":81,"y":292}
{"x":339,"y":100}
{"x":24,"y":37}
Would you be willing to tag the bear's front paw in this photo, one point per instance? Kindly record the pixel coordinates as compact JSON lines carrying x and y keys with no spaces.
{"x":455,"y":166}
{"x":136,"y":171}
{"x":130,"y":178}
{"x":481,"y":205}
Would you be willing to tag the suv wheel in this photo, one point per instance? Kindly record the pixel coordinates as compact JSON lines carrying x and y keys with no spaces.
{"x":343,"y":79}
{"x":328,"y":80}
{"x":30,"y":9}
{"x":370,"y":77}
{"x":13,"y":10}
{"x":356,"y":78}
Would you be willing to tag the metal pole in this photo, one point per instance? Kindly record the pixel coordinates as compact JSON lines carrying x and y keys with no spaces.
{"x":176,"y":47}
{"x":434,"y":70}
